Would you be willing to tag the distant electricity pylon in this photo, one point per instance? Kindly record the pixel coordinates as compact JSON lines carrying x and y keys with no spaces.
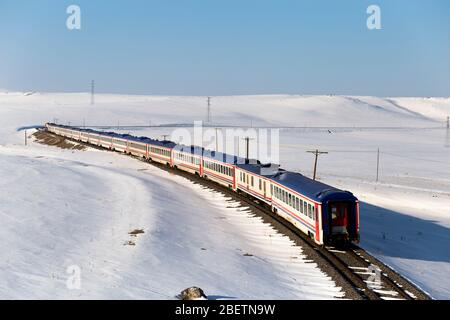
{"x":92,"y":91}
{"x":316,"y":152}
{"x":208,"y":111}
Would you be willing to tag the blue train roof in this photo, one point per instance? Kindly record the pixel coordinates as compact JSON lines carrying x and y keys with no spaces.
{"x":312,"y":189}
{"x":266,"y":169}
{"x":223,"y":157}
{"x":161,"y":143}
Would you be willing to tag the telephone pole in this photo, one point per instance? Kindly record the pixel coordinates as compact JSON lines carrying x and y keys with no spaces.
{"x":217,"y":140}
{"x":208,"y":111}
{"x":378,"y":162}
{"x":316,"y":153}
{"x":92,"y":91}
{"x":26,"y":142}
{"x":247,"y":141}
{"x":448,"y":122}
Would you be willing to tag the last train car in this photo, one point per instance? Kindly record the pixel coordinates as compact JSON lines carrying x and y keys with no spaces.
{"x":327,"y":214}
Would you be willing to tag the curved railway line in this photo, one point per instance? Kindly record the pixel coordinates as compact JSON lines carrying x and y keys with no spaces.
{"x":360,"y":275}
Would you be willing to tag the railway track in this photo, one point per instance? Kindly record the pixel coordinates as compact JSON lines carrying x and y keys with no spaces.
{"x":360,"y":275}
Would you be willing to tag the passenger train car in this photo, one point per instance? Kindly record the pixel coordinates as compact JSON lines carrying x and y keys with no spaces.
{"x":328,"y":215}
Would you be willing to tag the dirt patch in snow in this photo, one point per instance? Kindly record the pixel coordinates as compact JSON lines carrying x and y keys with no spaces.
{"x":135,"y":232}
{"x":48,"y":138}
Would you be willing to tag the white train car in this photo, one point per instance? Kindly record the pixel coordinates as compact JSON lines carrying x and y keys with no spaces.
{"x":188,"y":158}
{"x":219,"y":167}
{"x":254,"y":179}
{"x":161,"y":152}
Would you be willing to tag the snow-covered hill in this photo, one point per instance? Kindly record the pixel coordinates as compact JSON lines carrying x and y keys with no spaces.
{"x":53,"y":219}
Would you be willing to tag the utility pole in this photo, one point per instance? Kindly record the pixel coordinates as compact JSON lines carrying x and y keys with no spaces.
{"x":217,"y":141}
{"x":448,"y":122}
{"x":208,"y":114}
{"x":316,"y":153}
{"x":92,"y":91}
{"x":378,"y":162}
{"x":26,"y":137}
{"x":247,"y":141}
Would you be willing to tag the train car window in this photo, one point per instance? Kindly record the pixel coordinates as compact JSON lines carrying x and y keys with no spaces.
{"x":290,"y":200}
{"x":271,"y":189}
{"x":264,"y":186}
{"x":305,"y":208}
{"x":252,"y":181}
{"x":309,"y":211}
{"x":260,"y":184}
{"x":313,"y":213}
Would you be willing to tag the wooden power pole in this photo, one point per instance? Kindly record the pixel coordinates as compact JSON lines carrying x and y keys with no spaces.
{"x":316,"y":153}
{"x":247,"y":141}
{"x":378,"y":162}
{"x":217,"y":140}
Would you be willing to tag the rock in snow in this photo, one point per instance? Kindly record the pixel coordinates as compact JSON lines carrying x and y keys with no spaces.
{"x":193,"y":293}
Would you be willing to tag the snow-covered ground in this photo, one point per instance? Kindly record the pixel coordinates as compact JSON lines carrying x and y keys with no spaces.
{"x":54,"y":219}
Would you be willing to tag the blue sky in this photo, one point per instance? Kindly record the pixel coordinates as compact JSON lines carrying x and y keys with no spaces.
{"x":212,"y":47}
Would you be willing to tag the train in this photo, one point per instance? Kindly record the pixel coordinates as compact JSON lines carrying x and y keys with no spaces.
{"x":326,"y":214}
